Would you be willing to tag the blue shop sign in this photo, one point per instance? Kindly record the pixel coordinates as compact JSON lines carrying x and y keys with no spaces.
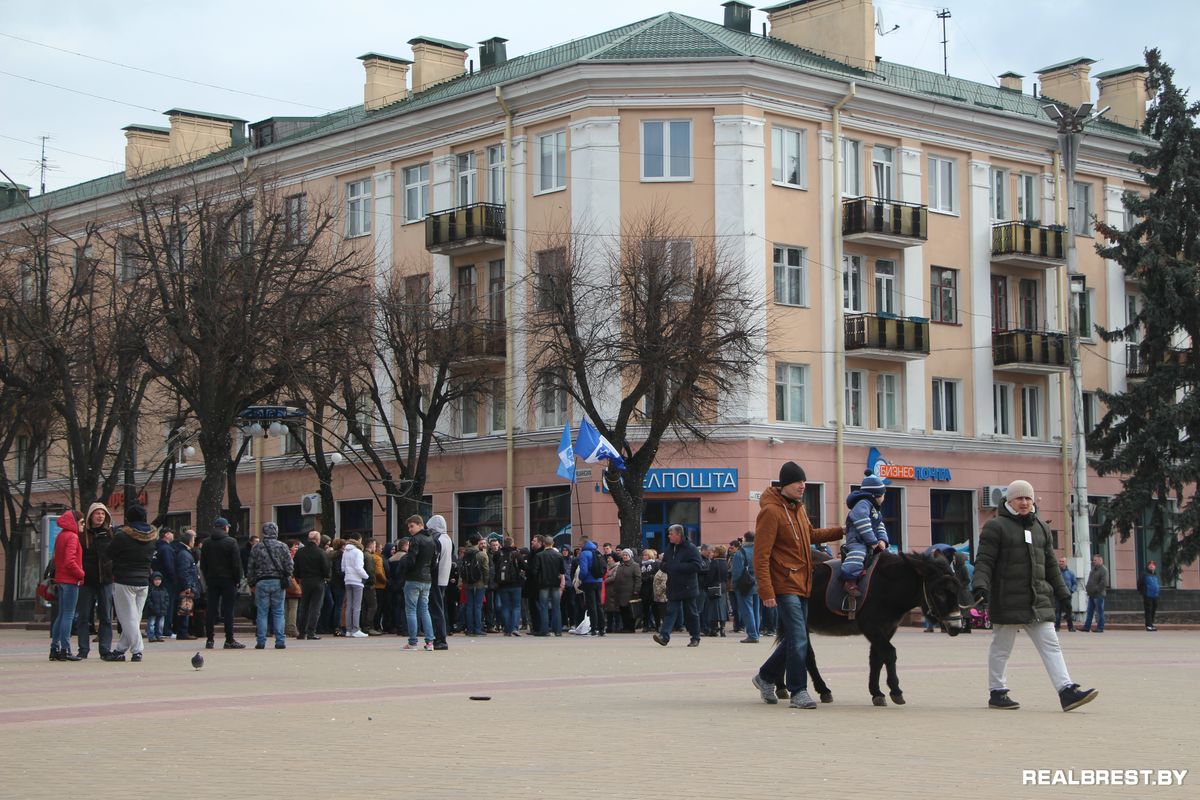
{"x":720,"y":479}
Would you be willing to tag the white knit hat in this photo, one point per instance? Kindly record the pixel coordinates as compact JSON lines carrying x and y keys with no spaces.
{"x":1019,"y":489}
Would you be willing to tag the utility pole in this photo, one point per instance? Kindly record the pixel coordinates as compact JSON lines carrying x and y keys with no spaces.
{"x":944,"y":15}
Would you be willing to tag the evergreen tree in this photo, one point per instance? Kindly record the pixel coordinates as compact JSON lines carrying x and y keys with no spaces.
{"x":1150,"y":434}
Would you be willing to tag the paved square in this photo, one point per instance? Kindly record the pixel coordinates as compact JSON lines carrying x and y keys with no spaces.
{"x":617,"y":717}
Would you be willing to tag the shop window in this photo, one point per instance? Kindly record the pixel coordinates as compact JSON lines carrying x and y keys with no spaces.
{"x":549,"y":510}
{"x":951,"y":520}
{"x":479,"y":512}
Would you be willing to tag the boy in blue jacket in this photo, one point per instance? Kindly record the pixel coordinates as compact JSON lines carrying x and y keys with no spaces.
{"x":864,"y":530}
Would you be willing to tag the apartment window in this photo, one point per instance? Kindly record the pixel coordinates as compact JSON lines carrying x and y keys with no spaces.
{"x":177,"y":244}
{"x":28,"y":278}
{"x":1028,"y":199}
{"x":465,"y":296}
{"x":887,"y":290}
{"x":667,"y":150}
{"x":30,"y":458}
{"x":466,"y":178}
{"x":791,"y":385}
{"x":887,"y":401}
{"x":1091,"y":412}
{"x":852,"y":283}
{"x":1083,"y":303}
{"x":84,"y":265}
{"x":1081,"y":218}
{"x":133,"y":260}
{"x":498,"y":411}
{"x":245,"y":231}
{"x":789,"y":275}
{"x":1002,"y":401}
{"x":883,"y":172}
{"x":1027,"y":304}
{"x":416,"y":192}
{"x":496,"y":290}
{"x":416,"y":291}
{"x":364,"y":407}
{"x":1031,"y":412}
{"x":945,"y":405}
{"x":294,"y":439}
{"x":999,"y":303}
{"x":998,"y":190}
{"x":495,"y":174}
{"x":468,"y":415}
{"x":851,"y":168}
{"x":358,"y":208}
{"x":672,"y":260}
{"x":855,"y":380}
{"x":943,"y":292}
{"x":294,"y":208}
{"x":788,"y":157}
{"x":552,"y":161}
{"x":549,"y":266}
{"x":942,"y":184}
{"x":552,"y":400}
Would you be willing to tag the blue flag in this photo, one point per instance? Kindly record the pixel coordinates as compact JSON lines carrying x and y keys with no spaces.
{"x":593,"y":447}
{"x":566,"y":456}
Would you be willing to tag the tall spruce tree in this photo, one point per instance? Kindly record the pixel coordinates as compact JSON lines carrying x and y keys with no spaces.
{"x":1150,"y":435}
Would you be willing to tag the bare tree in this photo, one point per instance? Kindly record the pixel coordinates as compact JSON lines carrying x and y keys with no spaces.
{"x":244,"y":281}
{"x":646,"y":334}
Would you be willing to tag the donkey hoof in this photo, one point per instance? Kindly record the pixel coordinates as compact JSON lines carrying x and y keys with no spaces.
{"x":879,"y":700}
{"x":826,"y":697}
{"x":897,"y":698}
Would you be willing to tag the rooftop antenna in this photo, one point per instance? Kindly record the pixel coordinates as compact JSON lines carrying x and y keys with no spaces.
{"x":879,"y":26}
{"x":43,"y":165}
{"x":944,"y":15}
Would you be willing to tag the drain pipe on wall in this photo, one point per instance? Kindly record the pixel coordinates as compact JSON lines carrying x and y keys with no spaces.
{"x":509,"y":365}
{"x":839,"y":325}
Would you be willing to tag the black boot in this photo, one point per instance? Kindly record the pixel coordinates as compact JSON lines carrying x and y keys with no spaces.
{"x":1001,"y":700}
{"x":1073,"y":697}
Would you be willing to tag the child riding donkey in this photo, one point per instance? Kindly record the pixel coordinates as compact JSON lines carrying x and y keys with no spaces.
{"x":865,"y":530}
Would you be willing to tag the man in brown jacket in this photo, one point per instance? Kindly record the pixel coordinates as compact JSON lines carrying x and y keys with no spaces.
{"x":783,"y":565}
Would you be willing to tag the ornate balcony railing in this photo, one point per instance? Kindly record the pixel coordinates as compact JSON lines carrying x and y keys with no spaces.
{"x":473,"y":226}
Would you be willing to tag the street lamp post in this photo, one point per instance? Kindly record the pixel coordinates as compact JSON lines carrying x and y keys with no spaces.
{"x":1071,"y":124}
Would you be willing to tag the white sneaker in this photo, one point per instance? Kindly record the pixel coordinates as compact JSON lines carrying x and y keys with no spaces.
{"x":172,"y":636}
{"x":358,"y":635}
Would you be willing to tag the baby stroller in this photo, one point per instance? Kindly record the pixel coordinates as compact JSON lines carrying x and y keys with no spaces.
{"x":979,"y":618}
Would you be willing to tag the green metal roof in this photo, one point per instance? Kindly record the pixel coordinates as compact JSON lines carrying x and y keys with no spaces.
{"x":187,"y":112}
{"x":440,"y":42}
{"x":1070,"y":62}
{"x":666,"y":37}
{"x":1112,"y":73}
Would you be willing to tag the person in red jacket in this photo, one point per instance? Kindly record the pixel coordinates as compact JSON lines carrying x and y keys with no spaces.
{"x":68,"y":574}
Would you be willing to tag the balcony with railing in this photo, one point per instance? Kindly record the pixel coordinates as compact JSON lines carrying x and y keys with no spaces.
{"x":467,"y":341}
{"x":887,"y":336}
{"x":1028,"y":244}
{"x":465,"y":229}
{"x":1137,"y":365}
{"x":1030,"y":351}
{"x":885,"y":223}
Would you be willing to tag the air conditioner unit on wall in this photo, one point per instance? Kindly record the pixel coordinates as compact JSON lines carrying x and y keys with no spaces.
{"x":992,"y":496}
{"x":310,"y":505}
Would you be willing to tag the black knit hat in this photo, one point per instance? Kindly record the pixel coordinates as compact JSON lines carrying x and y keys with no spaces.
{"x":791,"y":472}
{"x":135,"y":514}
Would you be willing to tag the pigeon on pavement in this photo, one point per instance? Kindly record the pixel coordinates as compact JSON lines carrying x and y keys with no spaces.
{"x":197,"y":660}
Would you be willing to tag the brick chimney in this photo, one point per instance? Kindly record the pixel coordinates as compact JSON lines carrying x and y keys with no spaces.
{"x":386,"y":80}
{"x":147,"y":148}
{"x":843,"y":30}
{"x":1125,"y":90}
{"x":1068,"y":81}
{"x":1012,"y":82}
{"x":195,"y":134}
{"x":436,"y":60}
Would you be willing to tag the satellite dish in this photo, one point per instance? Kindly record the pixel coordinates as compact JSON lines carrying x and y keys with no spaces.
{"x":879,"y":24}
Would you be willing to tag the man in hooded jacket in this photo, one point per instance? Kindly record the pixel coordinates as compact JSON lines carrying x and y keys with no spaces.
{"x":96,"y":591}
{"x":131,"y":552}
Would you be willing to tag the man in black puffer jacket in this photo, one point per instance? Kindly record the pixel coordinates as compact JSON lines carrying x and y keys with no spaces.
{"x":130,"y":553}
{"x":1017,"y":576}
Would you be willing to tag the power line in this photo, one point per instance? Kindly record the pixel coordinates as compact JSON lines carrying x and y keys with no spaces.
{"x":79,"y":91}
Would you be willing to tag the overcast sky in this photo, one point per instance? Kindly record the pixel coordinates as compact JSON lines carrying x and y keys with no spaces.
{"x":304,"y":61}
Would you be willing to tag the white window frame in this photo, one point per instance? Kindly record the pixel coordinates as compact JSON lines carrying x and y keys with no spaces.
{"x":680,"y":254}
{"x":856,"y":385}
{"x":552,"y":152}
{"x":466,"y":183}
{"x":1002,"y":410}
{"x":1029,"y":198}
{"x":887,"y":287}
{"x":789,"y":146}
{"x":883,"y":172}
{"x":468,"y":416}
{"x":935,"y":293}
{"x":496,"y":174}
{"x":416,"y":192}
{"x":998,"y":194}
{"x":947,"y":396}
{"x":358,"y":208}
{"x":295,"y":208}
{"x":852,"y":283}
{"x":791,"y":278}
{"x":852,"y":183}
{"x":1031,"y":412}
{"x":943,"y":180}
{"x":1085,"y":304}
{"x":1091,"y":411}
{"x":889,"y":415}
{"x":792,"y":387}
{"x":669,"y":158}
{"x":552,"y":404}
{"x":1081,"y":221}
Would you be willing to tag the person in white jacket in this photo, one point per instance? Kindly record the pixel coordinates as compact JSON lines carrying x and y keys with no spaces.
{"x":355,"y":575}
{"x":437,"y":598}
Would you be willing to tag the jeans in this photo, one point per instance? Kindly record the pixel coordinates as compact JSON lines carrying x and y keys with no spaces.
{"x":416,"y":608}
{"x":509,"y":600}
{"x":64,"y":623}
{"x":312,"y":596}
{"x":474,"y":610}
{"x":491,"y":616}
{"x":787,"y":659}
{"x":437,"y":612}
{"x":128,"y":601}
{"x":222,"y":595}
{"x":100,"y":596}
{"x":155,"y":627}
{"x":167,"y":629}
{"x":268,"y":598}
{"x":548,"y":606}
{"x":1044,"y":639}
{"x":747,"y":603}
{"x":768,"y":619}
{"x":1150,"y":609}
{"x":691,"y":619}
{"x":591,"y":594}
{"x":352,"y":607}
{"x":1095,"y":604}
{"x":1062,"y":608}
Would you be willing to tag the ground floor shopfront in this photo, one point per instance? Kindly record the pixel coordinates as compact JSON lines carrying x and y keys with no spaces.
{"x":939,"y":493}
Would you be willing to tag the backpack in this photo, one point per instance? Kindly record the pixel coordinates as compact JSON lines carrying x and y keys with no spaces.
{"x":508,"y":571}
{"x":597,"y":567}
{"x":469,"y":569}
